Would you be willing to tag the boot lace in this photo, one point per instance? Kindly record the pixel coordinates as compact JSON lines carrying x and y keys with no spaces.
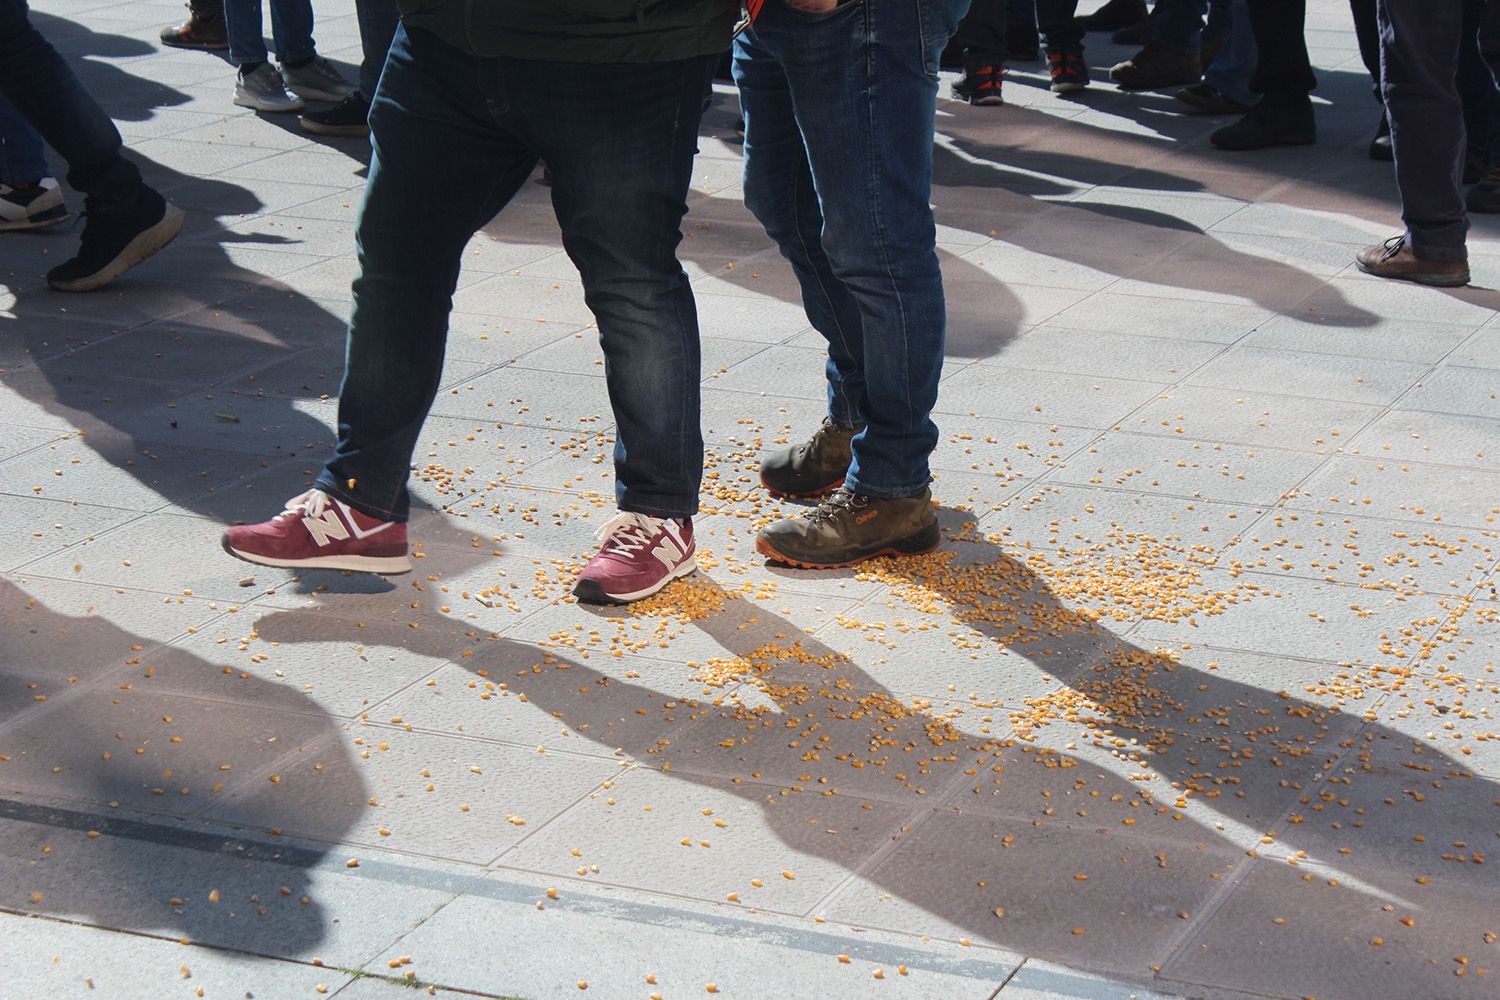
{"x":836,"y":504}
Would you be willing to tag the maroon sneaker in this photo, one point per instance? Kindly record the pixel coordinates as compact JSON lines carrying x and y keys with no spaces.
{"x":318,"y":532}
{"x":640,"y":555}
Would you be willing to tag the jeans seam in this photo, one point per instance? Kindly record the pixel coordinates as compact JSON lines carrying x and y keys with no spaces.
{"x":822,"y":286}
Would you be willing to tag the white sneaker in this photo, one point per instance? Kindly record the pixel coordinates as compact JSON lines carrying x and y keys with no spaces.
{"x":317,"y":81}
{"x":264,"y":90}
{"x":31,"y":208}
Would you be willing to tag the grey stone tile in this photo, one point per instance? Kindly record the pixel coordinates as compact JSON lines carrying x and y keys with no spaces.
{"x":549,"y":400}
{"x":741,"y":317}
{"x":1292,"y":617}
{"x":1324,"y":376}
{"x":36,"y":527}
{"x":1161,"y":317}
{"x":1363,"y":551}
{"x":1119,"y":355}
{"x":736,"y":834}
{"x":1480,"y":350}
{"x":1379,"y":297}
{"x":484,"y":797}
{"x":171,"y":354}
{"x":1045,"y":981}
{"x":1189,"y":468}
{"x":954,"y":872}
{"x":1407,"y":340}
{"x":1472,"y":392}
{"x":285,"y":230}
{"x":535,"y":298}
{"x":148,"y":554}
{"x":63,"y":401}
{"x":237,"y":420}
{"x":986,"y":311}
{"x":1086,"y":400}
{"x":19,"y":440}
{"x":1252,"y":417}
{"x":67,"y":961}
{"x":1446,"y":438}
{"x":617,"y":939}
{"x":501,"y":339}
{"x":309,"y":165}
{"x":1410,"y":491}
{"x":1324,"y":945}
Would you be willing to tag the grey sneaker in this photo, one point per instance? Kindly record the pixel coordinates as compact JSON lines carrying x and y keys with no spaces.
{"x":317,"y":81}
{"x":264,"y":90}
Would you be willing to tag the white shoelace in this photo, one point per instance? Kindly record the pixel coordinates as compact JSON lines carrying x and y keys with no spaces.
{"x":310,"y":504}
{"x":626,"y":532}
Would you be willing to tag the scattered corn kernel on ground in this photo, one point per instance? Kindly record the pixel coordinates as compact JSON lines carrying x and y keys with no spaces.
{"x":1198,"y":699}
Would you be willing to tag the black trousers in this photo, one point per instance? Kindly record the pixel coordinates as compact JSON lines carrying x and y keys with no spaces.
{"x":1283,"y":76}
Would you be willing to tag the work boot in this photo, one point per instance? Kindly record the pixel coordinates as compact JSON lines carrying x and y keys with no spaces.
{"x":1157,"y":66}
{"x":849,"y":527}
{"x":204,"y":28}
{"x":1394,"y":259}
{"x":813,"y":468}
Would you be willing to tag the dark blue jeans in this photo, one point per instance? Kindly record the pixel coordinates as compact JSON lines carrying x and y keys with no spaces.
{"x":839,"y":110}
{"x":291,"y":30}
{"x":1180,"y":25}
{"x":377,"y":26}
{"x":1419,"y":45}
{"x":22,"y":160}
{"x":454,"y":136}
{"x":39,"y":85}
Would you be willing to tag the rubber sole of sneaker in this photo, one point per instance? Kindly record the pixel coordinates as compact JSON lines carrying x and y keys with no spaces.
{"x":590,"y":591}
{"x":1067,"y":88}
{"x":196,"y":45}
{"x":811,"y":495}
{"x":988,"y":101}
{"x":314,"y":94}
{"x":146,"y":243}
{"x":1435,"y":280}
{"x":320,"y":128}
{"x":243,"y":99}
{"x":767,"y":550}
{"x":383,"y":565}
{"x":51,"y":217}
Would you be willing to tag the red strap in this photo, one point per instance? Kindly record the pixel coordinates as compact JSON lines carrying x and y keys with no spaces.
{"x":752,"y":8}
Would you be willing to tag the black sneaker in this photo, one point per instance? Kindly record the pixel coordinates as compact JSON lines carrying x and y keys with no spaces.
{"x":849,"y":527}
{"x":348,"y":117}
{"x":1207,"y":99}
{"x":980,"y":86}
{"x":1068,"y":71}
{"x":204,"y":29}
{"x":1267,"y":126}
{"x":33,"y":207}
{"x":115,"y":240}
{"x":813,"y":468}
{"x":1484,"y":197}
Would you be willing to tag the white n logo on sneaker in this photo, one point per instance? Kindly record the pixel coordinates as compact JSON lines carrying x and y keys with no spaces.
{"x":325,"y":527}
{"x":667,"y":552}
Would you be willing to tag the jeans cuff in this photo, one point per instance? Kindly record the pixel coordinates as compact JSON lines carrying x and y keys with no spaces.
{"x":1427,"y":251}
{"x":658,"y":506}
{"x":333,"y":488}
{"x":886,"y":492}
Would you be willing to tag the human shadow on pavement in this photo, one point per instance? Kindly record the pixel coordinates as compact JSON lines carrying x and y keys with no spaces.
{"x":1088,"y":820}
{"x":114,"y":749}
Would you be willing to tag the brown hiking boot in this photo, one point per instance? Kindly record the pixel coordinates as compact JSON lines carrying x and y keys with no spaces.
{"x":204,"y":29}
{"x":849,"y":527}
{"x":1394,"y":259}
{"x":813,"y":468}
{"x":1157,"y":66}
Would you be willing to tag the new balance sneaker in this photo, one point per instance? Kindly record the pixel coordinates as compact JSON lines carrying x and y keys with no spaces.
{"x":40,"y":204}
{"x":640,"y":555}
{"x":811,"y":469}
{"x":264,"y":90}
{"x":849,"y":527}
{"x":1068,"y":71}
{"x":351,"y":116}
{"x":115,"y":240}
{"x":204,"y":29}
{"x":980,"y":86}
{"x":316,"y":80}
{"x":317,"y":531}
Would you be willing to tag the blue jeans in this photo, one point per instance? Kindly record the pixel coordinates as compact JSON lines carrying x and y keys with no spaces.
{"x":291,"y":30}
{"x":21,"y":158}
{"x":377,"y":26}
{"x":1231,"y":71}
{"x":454,"y":136}
{"x":839,"y":111}
{"x":40,"y":86}
{"x":1180,"y":23}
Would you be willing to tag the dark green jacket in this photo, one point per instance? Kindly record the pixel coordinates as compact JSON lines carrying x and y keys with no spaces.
{"x":581,"y":31}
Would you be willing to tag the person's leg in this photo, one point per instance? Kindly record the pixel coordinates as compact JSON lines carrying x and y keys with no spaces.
{"x":245,"y":28}
{"x":981,"y":36}
{"x":441,"y":167}
{"x":22,"y":159}
{"x":292,"y":31}
{"x":864,"y":79}
{"x":1179,"y":24}
{"x":620,"y":141}
{"x":779,"y":192}
{"x":1283,"y":75}
{"x":1219,"y":26}
{"x":377,"y":26}
{"x":1230,"y":73}
{"x":41,"y":87}
{"x":1419,"y":46}
{"x":1064,"y":38}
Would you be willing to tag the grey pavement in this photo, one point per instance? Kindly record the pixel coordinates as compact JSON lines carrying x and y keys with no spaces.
{"x":1199,"y":700}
